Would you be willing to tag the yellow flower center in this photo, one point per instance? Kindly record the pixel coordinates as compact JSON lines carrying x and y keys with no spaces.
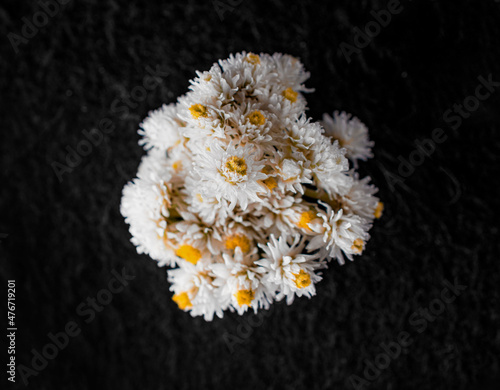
{"x":378,"y":210}
{"x":244,"y":297}
{"x":305,"y":218}
{"x":182,"y":301}
{"x":270,"y":183}
{"x":357,"y":245}
{"x":290,"y":94}
{"x":238,"y":240}
{"x":199,"y":197}
{"x":188,"y":253}
{"x":253,"y":58}
{"x":256,"y":118}
{"x":302,"y":279}
{"x":198,"y":110}
{"x":177,"y":165}
{"x":237,"y":165}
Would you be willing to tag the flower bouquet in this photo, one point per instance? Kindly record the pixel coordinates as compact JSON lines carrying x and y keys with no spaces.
{"x":243,"y":195}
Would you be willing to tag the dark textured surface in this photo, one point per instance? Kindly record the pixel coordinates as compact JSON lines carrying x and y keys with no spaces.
{"x":65,"y":238}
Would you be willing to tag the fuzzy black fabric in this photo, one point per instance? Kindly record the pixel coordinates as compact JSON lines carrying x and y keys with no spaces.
{"x":63,"y":239}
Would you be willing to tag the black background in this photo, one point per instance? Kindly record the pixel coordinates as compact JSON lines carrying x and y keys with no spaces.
{"x":65,"y":238}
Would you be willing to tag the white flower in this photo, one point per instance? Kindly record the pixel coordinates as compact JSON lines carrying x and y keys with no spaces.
{"x":290,"y":72}
{"x":330,"y":167}
{"x":239,"y":279}
{"x":306,"y":218}
{"x":146,"y":205}
{"x":160,"y":129}
{"x":194,"y":290}
{"x":203,"y":202}
{"x":351,"y":133}
{"x":345,"y":234}
{"x":231,"y":173}
{"x":360,"y":200}
{"x":289,"y":269}
{"x":237,"y":235}
{"x":193,"y":240}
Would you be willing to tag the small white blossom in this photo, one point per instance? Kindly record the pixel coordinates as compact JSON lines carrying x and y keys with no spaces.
{"x":289,"y":269}
{"x":351,"y":133}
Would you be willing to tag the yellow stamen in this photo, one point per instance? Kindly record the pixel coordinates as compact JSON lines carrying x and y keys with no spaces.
{"x":378,"y":210}
{"x":257,"y":118}
{"x":290,"y":94}
{"x":198,"y":110}
{"x":188,"y":253}
{"x":238,"y":240}
{"x":305,"y":218}
{"x":237,"y":164}
{"x":357,"y":246}
{"x":177,"y":165}
{"x":182,"y":301}
{"x":199,"y":197}
{"x":302,"y":279}
{"x":253,"y":58}
{"x":244,"y":297}
{"x":270,"y":183}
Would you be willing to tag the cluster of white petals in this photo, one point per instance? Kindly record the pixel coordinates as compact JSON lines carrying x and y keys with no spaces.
{"x":242,"y":194}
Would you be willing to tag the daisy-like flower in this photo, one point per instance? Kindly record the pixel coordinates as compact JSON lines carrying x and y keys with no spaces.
{"x":290,"y":72}
{"x":231,"y":173}
{"x":236,"y":235}
{"x":330,"y":167}
{"x":194,"y":290}
{"x":291,"y":271}
{"x":202,"y":202}
{"x":360,"y":200}
{"x":193,"y":240}
{"x":148,"y":209}
{"x":160,"y":129}
{"x":239,"y":279}
{"x":351,"y":133}
{"x":344,"y":234}
{"x":306,"y":218}
{"x":243,"y":192}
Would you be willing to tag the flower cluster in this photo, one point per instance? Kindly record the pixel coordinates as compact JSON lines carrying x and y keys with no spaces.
{"x":245,"y":196}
